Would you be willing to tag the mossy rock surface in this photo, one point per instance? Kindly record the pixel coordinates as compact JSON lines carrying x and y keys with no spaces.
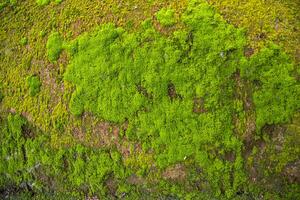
{"x":149,"y":99}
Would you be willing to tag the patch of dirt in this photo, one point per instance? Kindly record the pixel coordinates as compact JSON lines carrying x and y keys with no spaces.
{"x":135,"y":180}
{"x":249,"y":145}
{"x":27,"y":116}
{"x":27,"y":132}
{"x":63,"y":58}
{"x":199,"y":106}
{"x":248,"y":52}
{"x":42,"y":176}
{"x":292,"y":172}
{"x":49,"y":81}
{"x":297,"y":56}
{"x":76,"y":28}
{"x":275,"y":132}
{"x":230,"y":156}
{"x":246,"y":130}
{"x":78,"y":133}
{"x":244,"y":93}
{"x":12,"y":191}
{"x":92,"y":198}
{"x":112,"y":186}
{"x":263,"y":161}
{"x":172,"y":91}
{"x":99,"y":134}
{"x":254,"y":170}
{"x":176,"y":173}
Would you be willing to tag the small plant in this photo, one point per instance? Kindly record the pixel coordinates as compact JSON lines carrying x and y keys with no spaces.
{"x":34,"y":84}
{"x":46,"y":2}
{"x":42,"y":33}
{"x":42,"y":2}
{"x":54,"y":46}
{"x":24,"y":41}
{"x":166,"y":17}
{"x":58,"y":1}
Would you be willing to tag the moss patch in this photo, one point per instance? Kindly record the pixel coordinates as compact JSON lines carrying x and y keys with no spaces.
{"x":276,"y":21}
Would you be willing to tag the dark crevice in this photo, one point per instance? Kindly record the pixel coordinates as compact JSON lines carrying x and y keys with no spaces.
{"x":172,"y":92}
{"x":24,"y":154}
{"x":143,"y":91}
{"x":189,"y":41}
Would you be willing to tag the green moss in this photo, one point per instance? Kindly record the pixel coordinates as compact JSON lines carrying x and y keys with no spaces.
{"x":276,"y":21}
{"x":54,"y":46}
{"x":42,"y":33}
{"x":11,"y":151}
{"x":24,"y":41}
{"x":76,"y":103}
{"x":153,"y":80}
{"x":166,"y":17}
{"x":25,"y":159}
{"x":58,"y":1}
{"x":276,"y":91}
{"x":33,"y":84}
{"x":42,"y":2}
{"x":177,"y":93}
{"x":5,"y":3}
{"x":46,"y":2}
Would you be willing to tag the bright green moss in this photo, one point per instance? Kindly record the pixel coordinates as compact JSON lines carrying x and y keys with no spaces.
{"x":33,"y":84}
{"x":11,"y":157}
{"x":76,"y":103}
{"x":46,"y":2}
{"x":166,"y":17}
{"x":153,"y":81}
{"x":42,"y":2}
{"x":276,"y":91}
{"x":42,"y":33}
{"x":58,"y":1}
{"x":107,"y":89}
{"x":24,"y":41}
{"x":54,"y":46}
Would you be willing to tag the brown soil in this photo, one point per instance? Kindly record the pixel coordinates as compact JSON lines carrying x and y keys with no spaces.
{"x":176,"y":173}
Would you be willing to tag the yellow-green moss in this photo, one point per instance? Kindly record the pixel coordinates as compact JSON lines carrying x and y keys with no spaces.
{"x":270,"y":20}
